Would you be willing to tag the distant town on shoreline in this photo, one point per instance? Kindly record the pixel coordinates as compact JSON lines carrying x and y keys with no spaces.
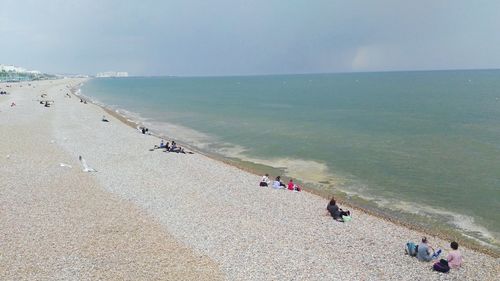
{"x":12,"y":73}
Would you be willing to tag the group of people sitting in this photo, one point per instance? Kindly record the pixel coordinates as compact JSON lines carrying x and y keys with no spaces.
{"x":171,"y":147}
{"x":426,"y":253}
{"x":278,"y":184}
{"x":3,"y":93}
{"x":423,"y":251}
{"x":46,"y":103}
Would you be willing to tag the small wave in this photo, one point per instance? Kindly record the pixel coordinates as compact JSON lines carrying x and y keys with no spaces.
{"x":464,"y":222}
{"x":467,"y":224}
{"x":308,"y":171}
{"x":183,"y":134}
{"x":129,"y":115}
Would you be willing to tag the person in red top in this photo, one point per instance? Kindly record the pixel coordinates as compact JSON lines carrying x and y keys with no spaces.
{"x":291,"y":185}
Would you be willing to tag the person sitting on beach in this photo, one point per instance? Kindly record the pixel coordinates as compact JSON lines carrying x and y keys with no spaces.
{"x":162,"y":145}
{"x":173,"y":148}
{"x":293,"y":187}
{"x":278,"y":184}
{"x":454,"y":257}
{"x":336,"y":212}
{"x":47,"y":104}
{"x":265,"y":180}
{"x":177,"y":149}
{"x":424,"y":251}
{"x":104,"y":119}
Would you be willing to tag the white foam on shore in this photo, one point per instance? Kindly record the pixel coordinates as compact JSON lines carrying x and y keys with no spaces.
{"x":467,"y":224}
{"x":307,"y":171}
{"x":464,"y":222}
{"x":183,"y":134}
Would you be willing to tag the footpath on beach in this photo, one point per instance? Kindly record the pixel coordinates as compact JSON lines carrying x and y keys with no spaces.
{"x":150,"y":215}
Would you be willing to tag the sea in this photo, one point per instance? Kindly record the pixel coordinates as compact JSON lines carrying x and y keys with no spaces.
{"x":421,"y":147}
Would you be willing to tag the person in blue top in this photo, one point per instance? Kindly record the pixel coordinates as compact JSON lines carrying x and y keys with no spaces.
{"x":424,"y":251}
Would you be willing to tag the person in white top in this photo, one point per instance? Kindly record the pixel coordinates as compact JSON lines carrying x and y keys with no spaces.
{"x":278,"y":184}
{"x":265,"y":180}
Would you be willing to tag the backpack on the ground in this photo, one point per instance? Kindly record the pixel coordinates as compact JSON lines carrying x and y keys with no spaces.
{"x":411,"y":249}
{"x":441,"y":266}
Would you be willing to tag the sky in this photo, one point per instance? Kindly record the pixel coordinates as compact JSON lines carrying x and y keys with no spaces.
{"x":237,"y":37}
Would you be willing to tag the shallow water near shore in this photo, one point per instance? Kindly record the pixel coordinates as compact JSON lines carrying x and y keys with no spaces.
{"x":419,"y":145}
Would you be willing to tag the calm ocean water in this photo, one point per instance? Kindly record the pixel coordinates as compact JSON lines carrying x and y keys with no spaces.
{"x":419,"y":145}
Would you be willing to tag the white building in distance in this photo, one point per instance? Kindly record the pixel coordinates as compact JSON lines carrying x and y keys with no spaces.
{"x":16,"y":69}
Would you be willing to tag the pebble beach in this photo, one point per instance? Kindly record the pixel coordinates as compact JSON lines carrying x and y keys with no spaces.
{"x":150,"y":215}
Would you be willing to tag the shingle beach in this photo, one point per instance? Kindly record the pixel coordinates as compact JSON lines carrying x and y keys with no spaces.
{"x":150,"y":215}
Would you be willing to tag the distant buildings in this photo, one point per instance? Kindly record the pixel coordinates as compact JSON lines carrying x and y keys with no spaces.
{"x":15,"y":73}
{"x":16,"y":69}
{"x":112,"y":74}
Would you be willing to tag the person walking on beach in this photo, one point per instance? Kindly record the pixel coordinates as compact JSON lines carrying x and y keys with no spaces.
{"x":454,"y":257}
{"x":265,"y":180}
{"x":424,"y":251}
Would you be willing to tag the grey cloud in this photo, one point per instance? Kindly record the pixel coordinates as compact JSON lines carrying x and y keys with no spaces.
{"x":224,"y":37}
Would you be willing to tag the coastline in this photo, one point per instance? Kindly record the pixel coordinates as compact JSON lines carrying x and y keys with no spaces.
{"x":214,"y":214}
{"x":359,"y":205}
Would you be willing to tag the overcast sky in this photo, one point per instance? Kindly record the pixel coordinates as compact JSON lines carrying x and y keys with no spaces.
{"x":236,"y":37}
